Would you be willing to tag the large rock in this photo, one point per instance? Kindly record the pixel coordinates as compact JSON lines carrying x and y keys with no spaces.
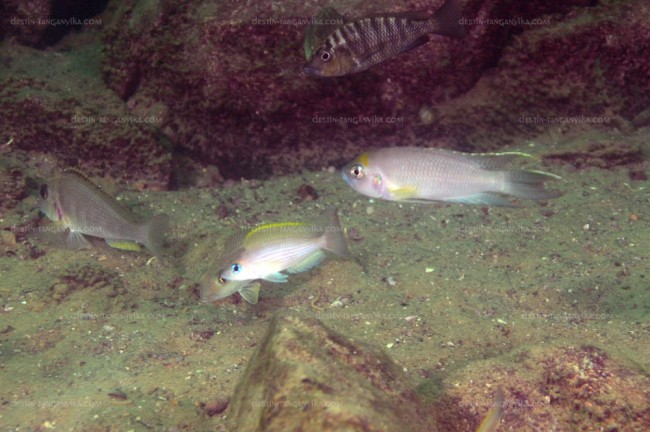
{"x":306,"y":377}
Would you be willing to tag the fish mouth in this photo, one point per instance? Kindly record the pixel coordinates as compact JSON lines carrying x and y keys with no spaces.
{"x":345,"y":177}
{"x":310,"y":70}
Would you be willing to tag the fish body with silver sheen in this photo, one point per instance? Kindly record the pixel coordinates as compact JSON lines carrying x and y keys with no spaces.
{"x":268,"y":250}
{"x":417,"y":174}
{"x":85,"y":209}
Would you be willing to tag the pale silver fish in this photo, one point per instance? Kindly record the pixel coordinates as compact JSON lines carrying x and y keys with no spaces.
{"x":416,"y":174}
{"x":268,"y":250}
{"x":85,"y":209}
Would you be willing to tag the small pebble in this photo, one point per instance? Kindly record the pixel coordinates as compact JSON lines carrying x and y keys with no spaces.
{"x":213,"y":408}
{"x":307,"y":193}
{"x":222,"y":212}
{"x":7,"y":238}
{"x":354,"y":235}
{"x":391,"y":281}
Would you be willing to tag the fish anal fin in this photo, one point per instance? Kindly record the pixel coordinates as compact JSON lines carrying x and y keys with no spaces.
{"x":308,"y":263}
{"x":276,"y":277}
{"x":483,"y":198}
{"x":416,"y":43}
{"x":121,"y":244}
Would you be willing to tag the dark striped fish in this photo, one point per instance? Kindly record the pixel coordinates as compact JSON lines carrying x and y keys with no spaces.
{"x":357,"y":45}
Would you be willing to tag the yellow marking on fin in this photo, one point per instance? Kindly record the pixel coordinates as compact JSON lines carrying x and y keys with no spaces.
{"x":404,"y":192}
{"x":363,"y":159}
{"x":125,"y":245}
{"x":274,"y":225}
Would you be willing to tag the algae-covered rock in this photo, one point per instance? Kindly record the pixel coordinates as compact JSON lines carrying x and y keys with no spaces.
{"x":306,"y":377}
{"x":54,"y":105}
{"x":577,"y":388}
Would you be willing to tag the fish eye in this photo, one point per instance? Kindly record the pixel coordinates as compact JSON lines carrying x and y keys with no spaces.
{"x":326,"y":56}
{"x":236,"y":268}
{"x":43,"y":191}
{"x":357,"y":171}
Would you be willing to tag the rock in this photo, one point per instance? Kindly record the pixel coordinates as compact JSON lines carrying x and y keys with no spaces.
{"x":55,"y":104}
{"x":306,"y":377}
{"x":549,"y":388}
{"x":42,"y":23}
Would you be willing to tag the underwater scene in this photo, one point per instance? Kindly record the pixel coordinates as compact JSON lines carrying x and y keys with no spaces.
{"x":271,"y":215}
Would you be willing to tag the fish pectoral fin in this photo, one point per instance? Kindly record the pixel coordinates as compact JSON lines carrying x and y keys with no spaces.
{"x":127,"y":245}
{"x":276,"y":277}
{"x":308,"y":263}
{"x":483,"y":198}
{"x":250,"y":292}
{"x":403,"y":193}
{"x":76,"y":240}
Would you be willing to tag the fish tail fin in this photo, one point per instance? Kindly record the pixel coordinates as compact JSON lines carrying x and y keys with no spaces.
{"x":153,"y":233}
{"x":446,"y":20}
{"x":529,"y":184}
{"x":334,"y":235}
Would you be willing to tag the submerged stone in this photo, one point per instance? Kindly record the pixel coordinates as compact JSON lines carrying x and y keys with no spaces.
{"x":307,"y":377}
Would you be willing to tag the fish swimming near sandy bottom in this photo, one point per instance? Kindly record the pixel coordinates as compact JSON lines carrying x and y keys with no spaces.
{"x":213,"y":287}
{"x":359,"y":44}
{"x":268,"y":250}
{"x":416,"y":174}
{"x":83,"y":208}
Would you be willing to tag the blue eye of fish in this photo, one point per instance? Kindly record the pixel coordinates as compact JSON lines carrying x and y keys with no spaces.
{"x":43,"y":191}
{"x":236,"y":268}
{"x":357,"y":171}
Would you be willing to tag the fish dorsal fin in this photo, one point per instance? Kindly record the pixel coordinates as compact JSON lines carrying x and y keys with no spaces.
{"x":272,"y":232}
{"x":498,"y":161}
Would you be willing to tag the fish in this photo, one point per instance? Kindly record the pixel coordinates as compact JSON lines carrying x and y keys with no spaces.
{"x":420,"y":175}
{"x":83,"y":208}
{"x":213,"y":287}
{"x":268,"y":250}
{"x":327,"y":20}
{"x":491,"y":420}
{"x":359,"y":44}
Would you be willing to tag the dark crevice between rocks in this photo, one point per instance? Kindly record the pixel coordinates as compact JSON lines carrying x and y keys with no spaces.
{"x":76,"y":10}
